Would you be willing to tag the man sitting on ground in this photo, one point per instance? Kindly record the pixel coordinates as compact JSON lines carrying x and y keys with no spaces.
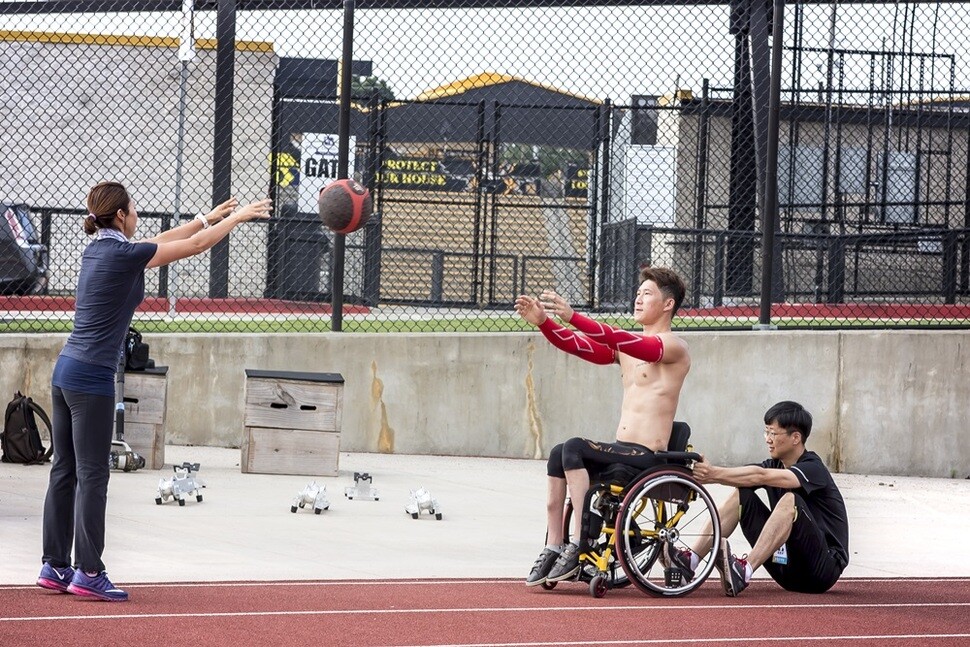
{"x":802,"y":536}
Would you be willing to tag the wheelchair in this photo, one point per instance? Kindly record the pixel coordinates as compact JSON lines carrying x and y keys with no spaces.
{"x":631,"y":518}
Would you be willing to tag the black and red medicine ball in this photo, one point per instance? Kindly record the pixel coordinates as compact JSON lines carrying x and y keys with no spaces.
{"x":345,"y":206}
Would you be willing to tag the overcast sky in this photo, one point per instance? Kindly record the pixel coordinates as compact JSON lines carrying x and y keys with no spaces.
{"x":598,"y":52}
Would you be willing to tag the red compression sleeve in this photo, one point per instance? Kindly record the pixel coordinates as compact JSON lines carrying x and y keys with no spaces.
{"x":649,"y":349}
{"x":567,"y":340}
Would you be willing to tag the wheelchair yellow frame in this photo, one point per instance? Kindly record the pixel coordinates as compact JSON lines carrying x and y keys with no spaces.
{"x":601,"y":560}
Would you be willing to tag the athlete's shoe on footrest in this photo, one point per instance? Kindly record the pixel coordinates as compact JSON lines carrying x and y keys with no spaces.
{"x":567,"y":566}
{"x":544,"y":563}
{"x":98,"y":586}
{"x":55,"y":579}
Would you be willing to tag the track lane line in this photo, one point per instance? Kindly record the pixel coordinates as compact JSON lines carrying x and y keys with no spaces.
{"x":352,"y":612}
{"x":748,"y":640}
{"x":433,"y":582}
{"x":246,"y":583}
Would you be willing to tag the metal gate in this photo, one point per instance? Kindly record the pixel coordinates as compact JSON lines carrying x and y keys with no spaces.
{"x":474,"y":210}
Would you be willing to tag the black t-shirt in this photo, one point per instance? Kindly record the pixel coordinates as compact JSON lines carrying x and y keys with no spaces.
{"x":821,"y":495}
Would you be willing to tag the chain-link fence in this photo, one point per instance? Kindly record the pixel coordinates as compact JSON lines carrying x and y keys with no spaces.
{"x":509,"y":147}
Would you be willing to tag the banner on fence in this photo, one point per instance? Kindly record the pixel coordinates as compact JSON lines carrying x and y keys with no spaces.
{"x":319,"y":166}
{"x":417,"y":173}
{"x":577,"y":181}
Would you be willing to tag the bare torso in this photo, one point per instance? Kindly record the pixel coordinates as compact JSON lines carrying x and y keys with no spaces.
{"x":650,"y":396}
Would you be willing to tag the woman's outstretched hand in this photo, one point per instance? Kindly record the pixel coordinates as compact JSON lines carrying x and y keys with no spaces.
{"x":254,"y":211}
{"x":221,"y":211}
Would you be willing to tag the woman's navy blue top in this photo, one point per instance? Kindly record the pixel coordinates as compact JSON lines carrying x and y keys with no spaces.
{"x":110,"y":286}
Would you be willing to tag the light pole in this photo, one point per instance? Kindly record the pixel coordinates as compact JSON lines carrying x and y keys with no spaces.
{"x":186,"y":54}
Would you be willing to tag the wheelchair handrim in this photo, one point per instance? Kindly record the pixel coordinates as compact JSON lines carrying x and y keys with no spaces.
{"x":635,"y":563}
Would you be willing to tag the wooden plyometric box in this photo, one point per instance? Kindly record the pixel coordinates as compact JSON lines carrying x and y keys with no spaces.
{"x":145,"y":398}
{"x":292,"y":423}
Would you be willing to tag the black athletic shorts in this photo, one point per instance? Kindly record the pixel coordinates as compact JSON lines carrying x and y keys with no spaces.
{"x":812,"y":566}
{"x":577,"y":453}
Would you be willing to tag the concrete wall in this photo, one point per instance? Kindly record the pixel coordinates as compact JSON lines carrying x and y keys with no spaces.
{"x":883,"y":402}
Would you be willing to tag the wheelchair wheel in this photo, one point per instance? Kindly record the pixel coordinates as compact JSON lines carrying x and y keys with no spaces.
{"x":598,"y":586}
{"x":666,"y":510}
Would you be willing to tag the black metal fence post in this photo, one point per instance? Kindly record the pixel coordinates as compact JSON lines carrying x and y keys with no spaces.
{"x":700,"y":202}
{"x":371,"y":290}
{"x":949,"y":266}
{"x":481,"y":165}
{"x":493,"y":180}
{"x":603,"y":215}
{"x":770,"y":215}
{"x":343,"y":162}
{"x":835,"y":283}
{"x":965,"y":244}
{"x":720,"y":245}
{"x":222,"y":138}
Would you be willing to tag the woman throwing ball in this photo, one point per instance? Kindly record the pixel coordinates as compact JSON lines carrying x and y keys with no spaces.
{"x":110,"y":286}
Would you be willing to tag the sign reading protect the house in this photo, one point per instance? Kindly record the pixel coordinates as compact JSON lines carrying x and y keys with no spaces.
{"x":419,"y":174}
{"x":318,"y":166}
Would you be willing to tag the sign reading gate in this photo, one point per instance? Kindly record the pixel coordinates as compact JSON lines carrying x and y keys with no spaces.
{"x":318,"y":166}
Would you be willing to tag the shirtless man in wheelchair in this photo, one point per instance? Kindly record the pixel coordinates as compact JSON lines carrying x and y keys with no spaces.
{"x":653,"y":366}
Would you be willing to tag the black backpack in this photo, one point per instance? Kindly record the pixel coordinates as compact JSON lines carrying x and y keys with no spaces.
{"x":136,"y":352}
{"x":20,"y":440}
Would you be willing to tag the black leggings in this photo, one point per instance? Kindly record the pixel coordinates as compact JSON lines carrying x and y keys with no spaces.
{"x":812,"y":566}
{"x":74,"y":511}
{"x":581,"y":453}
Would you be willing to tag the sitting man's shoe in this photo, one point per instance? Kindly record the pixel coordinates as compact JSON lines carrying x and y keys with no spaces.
{"x":97,"y":586}
{"x":682,"y":560}
{"x":567,"y":566}
{"x":55,"y":579}
{"x":734,"y":570}
{"x":540,"y":570}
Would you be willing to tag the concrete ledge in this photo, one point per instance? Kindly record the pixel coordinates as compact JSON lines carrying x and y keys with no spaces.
{"x":884,"y":402}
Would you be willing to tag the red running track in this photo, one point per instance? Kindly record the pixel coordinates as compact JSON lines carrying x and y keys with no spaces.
{"x":856,"y":612}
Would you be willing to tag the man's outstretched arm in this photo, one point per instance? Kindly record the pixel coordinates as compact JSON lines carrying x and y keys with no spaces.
{"x":562,"y":338}
{"x":745,"y":476}
{"x":579,"y":345}
{"x":648,"y":348}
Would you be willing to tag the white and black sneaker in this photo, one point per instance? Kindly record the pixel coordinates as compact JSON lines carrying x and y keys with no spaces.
{"x":682,"y":559}
{"x":734,"y":570}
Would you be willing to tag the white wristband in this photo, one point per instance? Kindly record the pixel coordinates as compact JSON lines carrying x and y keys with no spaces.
{"x":205,"y":221}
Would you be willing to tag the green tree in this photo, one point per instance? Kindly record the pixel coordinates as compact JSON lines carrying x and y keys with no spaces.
{"x":362,"y":87}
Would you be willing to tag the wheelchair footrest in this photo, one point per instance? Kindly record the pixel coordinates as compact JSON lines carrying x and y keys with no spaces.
{"x":673,"y":576}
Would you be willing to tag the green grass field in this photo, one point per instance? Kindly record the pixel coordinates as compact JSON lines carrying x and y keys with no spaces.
{"x":446,"y":324}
